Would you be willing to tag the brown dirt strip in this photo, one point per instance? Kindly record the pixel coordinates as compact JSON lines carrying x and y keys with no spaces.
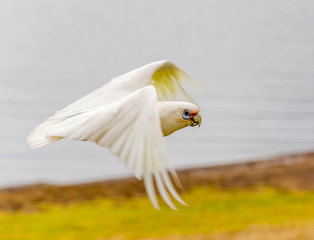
{"x":287,"y":173}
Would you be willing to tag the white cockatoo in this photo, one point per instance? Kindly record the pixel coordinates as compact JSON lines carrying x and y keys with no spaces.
{"x":130,"y":115}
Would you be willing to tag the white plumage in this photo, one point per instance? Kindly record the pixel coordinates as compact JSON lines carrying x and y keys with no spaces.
{"x":130,"y":115}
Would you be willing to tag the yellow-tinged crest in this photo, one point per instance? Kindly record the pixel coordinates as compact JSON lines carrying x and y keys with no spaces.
{"x":167,"y":80}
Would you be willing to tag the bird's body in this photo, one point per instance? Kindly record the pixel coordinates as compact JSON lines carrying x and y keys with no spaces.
{"x":130,"y":115}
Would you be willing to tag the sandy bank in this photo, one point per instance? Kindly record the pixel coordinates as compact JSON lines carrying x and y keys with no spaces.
{"x":289,"y":173}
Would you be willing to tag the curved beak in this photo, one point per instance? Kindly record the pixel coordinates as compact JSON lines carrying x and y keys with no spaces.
{"x":196,"y":120}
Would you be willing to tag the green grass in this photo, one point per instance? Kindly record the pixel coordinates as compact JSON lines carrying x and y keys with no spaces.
{"x":210,"y":211}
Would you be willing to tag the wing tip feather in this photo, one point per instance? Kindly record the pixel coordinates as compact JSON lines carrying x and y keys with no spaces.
{"x":35,"y":142}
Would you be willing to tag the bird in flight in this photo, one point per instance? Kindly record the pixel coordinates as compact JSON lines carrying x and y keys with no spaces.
{"x":130,"y":115}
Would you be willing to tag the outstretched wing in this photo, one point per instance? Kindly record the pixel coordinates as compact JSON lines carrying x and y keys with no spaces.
{"x":131,"y":129}
{"x":165,"y":76}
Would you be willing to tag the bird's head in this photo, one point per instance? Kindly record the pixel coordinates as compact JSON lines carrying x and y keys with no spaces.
{"x":176,"y":115}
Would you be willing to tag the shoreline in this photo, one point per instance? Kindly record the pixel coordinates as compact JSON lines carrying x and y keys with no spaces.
{"x":288,"y":173}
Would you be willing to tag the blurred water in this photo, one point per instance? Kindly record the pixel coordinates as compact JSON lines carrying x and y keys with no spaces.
{"x":255,"y":59}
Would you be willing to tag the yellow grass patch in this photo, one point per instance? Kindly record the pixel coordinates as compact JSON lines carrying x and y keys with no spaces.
{"x":211,"y":214}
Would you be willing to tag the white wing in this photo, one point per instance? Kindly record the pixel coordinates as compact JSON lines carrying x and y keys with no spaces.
{"x":131,"y":129}
{"x":165,"y":76}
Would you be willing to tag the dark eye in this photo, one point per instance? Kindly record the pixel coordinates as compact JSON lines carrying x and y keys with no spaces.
{"x":186,"y":114}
